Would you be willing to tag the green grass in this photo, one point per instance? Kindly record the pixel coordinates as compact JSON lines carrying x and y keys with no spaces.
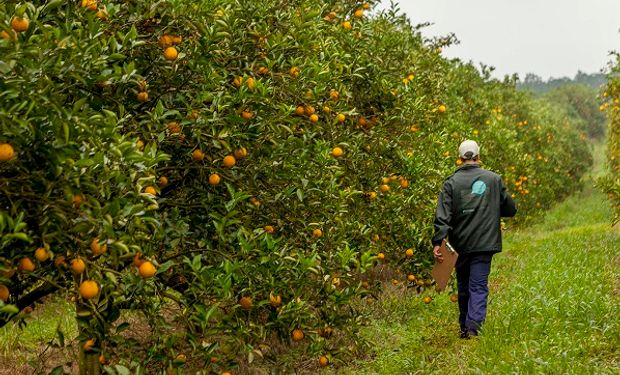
{"x":553,"y":307}
{"x":42,"y":325}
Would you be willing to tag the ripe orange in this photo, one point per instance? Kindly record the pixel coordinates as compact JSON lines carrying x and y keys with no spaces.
{"x":323,"y":361}
{"x":333,"y":94}
{"x":77,"y":200}
{"x":314,"y":118}
{"x":310,"y":110}
{"x":137,"y":260}
{"x":181,"y":357}
{"x":317,"y":233}
{"x":171,"y":53}
{"x":359,"y":13}
{"x":229,"y":161}
{"x":410,"y":278}
{"x":78,"y":266}
{"x":341,"y":117}
{"x":143,"y":96}
{"x":4,"y":292}
{"x":96,"y":248}
{"x":147,"y":269}
{"x":269,"y":229}
{"x":263,"y":70}
{"x":297,"y":335}
{"x":300,"y":110}
{"x":226,"y":373}
{"x":6,"y":152}
{"x":165,"y":41}
{"x":102,"y":359}
{"x":173,"y":127}
{"x":325,"y":332}
{"x":25,"y":264}
{"x":362,"y":121}
{"x":20,"y":24}
{"x":8,"y":35}
{"x":427,"y":299}
{"x":381,"y":256}
{"x":150,"y":190}
{"x":326,"y":109}
{"x":163,"y":181}
{"x":89,"y":289}
{"x":41,"y":254}
{"x":366,"y":6}
{"x":404,"y":183}
{"x":177,"y":39}
{"x":250,"y":83}
{"x":384,"y":188}
{"x":241,"y":153}
{"x":245,"y":302}
{"x":214,"y":179}
{"x":140,"y":144}
{"x":237,"y":81}
{"x":59,"y":261}
{"x":294,"y":71}
{"x":372,"y":194}
{"x":255,"y":201}
{"x":275,"y":300}
{"x":409,"y":253}
{"x":442,"y":109}
{"x":346,"y":25}
{"x":89,"y":4}
{"x":337,"y":152}
{"x":198,"y":155}
{"x":88,"y":344}
{"x":454,"y":298}
{"x":247,"y":115}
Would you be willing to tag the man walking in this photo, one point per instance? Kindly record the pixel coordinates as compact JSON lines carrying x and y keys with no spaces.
{"x":469,"y":208}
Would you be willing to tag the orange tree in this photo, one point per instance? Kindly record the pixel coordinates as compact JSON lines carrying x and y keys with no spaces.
{"x":611,"y":105}
{"x":232,"y":171}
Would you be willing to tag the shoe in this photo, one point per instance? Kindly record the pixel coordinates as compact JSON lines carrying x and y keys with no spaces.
{"x":464,"y":334}
{"x":471,"y":333}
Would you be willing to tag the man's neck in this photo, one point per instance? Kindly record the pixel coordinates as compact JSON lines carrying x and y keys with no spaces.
{"x":470,"y":162}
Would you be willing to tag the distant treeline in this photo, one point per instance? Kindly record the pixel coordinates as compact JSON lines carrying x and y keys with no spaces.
{"x":537,"y":85}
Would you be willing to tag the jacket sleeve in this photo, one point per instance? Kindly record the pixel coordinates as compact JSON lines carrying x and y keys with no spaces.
{"x":443,"y":214}
{"x":507,"y":206}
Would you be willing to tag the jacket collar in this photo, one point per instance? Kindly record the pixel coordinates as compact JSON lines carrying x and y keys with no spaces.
{"x":468,"y":166}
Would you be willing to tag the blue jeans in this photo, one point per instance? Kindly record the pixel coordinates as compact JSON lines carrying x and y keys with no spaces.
{"x":472,"y":276}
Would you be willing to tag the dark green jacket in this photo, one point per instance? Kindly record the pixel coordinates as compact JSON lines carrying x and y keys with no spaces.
{"x":469,"y":209}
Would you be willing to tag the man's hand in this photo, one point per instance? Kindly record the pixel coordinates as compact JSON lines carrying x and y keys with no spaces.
{"x":437,"y":254}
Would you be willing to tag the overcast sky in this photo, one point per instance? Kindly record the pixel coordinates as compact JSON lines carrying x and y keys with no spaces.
{"x":551,"y":38}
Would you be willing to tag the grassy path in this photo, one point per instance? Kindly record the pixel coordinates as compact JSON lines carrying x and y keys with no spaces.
{"x":554,"y":307}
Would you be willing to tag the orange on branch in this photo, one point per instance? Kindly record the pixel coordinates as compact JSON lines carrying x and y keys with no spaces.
{"x":229,"y":161}
{"x":147,"y":270}
{"x":214,"y":179}
{"x":78,"y":266}
{"x":20,"y":24}
{"x":4,"y":293}
{"x":26,"y":264}
{"x":6,"y":152}
{"x":89,"y":289}
{"x":171,"y":53}
{"x":198,"y":155}
{"x":297,"y":335}
{"x":41,"y":254}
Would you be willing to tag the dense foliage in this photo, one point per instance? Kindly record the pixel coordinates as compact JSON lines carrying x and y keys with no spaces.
{"x":611,"y":104}
{"x":234,"y":171}
{"x":582,"y":107}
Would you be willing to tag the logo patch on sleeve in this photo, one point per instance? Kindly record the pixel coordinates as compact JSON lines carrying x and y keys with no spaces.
{"x":478,"y":188}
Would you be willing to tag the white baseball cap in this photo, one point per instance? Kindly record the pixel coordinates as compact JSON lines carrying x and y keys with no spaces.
{"x":469,"y":149}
